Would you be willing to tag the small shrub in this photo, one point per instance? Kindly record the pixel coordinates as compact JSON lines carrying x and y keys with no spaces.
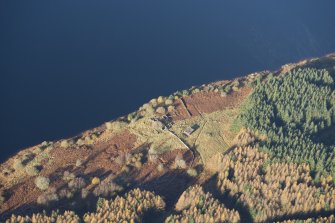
{"x":236,"y":83}
{"x":44,"y":144}
{"x":95,"y":181}
{"x":161,"y":110}
{"x":153,"y":102}
{"x":32,"y":170}
{"x":47,"y":197}
{"x":152,"y":158}
{"x":168,"y":102}
{"x":180,"y":163}
{"x":18,"y":165}
{"x":185,"y":93}
{"x":192,"y":172}
{"x":84,"y":193}
{"x":65,"y":143}
{"x":80,"y":142}
{"x":235,"y":88}
{"x":171,"y":108}
{"x":108,"y":125}
{"x":125,"y":169}
{"x":118,"y":125}
{"x":38,"y":149}
{"x":152,"y":150}
{"x":42,"y":182}
{"x":138,"y":164}
{"x":145,"y":106}
{"x":79,"y":163}
{"x":160,"y":100}
{"x":88,"y":139}
{"x":77,"y":183}
{"x":106,"y":189}
{"x":227,"y":89}
{"x":223,"y":94}
{"x":130,"y":117}
{"x":67,"y":176}
{"x":65,"y":193}
{"x":196,"y":90}
{"x":150,"y":110}
{"x":160,"y":167}
{"x":121,"y":159}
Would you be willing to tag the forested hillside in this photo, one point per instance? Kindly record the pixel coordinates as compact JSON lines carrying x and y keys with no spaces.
{"x":296,"y":113}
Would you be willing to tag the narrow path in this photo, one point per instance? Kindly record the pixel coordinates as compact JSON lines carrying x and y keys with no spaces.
{"x":185,"y":144}
{"x":202,"y":128}
{"x":185,"y":106}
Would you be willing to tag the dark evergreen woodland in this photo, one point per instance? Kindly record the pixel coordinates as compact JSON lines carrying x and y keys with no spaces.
{"x":296,"y":111}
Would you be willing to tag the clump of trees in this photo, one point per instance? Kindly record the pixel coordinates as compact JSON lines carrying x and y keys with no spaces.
{"x":195,"y":205}
{"x":48,"y":196}
{"x":129,"y":208}
{"x":329,"y":219}
{"x":68,"y":216}
{"x":294,"y":110}
{"x":270,"y":189}
{"x":107,"y":188}
{"x":179,"y":162}
{"x":128,"y":159}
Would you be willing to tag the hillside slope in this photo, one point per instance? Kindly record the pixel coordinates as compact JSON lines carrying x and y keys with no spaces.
{"x":260,"y":148}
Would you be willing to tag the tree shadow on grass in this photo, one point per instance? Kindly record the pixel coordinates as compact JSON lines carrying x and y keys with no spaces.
{"x":228,"y":201}
{"x":169,"y":186}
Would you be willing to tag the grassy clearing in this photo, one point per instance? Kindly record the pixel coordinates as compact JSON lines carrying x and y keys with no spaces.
{"x":159,"y":140}
{"x":213,"y":134}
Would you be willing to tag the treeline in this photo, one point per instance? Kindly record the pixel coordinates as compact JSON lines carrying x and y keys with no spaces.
{"x":129,"y":208}
{"x":68,"y":216}
{"x":329,"y":219}
{"x":294,"y":111}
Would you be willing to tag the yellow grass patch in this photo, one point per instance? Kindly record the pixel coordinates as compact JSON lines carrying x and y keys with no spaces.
{"x":213,"y":134}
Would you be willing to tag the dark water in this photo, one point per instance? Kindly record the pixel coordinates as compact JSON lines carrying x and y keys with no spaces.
{"x":67,"y":66}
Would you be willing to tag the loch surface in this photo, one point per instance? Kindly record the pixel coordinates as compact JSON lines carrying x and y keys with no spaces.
{"x":67,"y":66}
